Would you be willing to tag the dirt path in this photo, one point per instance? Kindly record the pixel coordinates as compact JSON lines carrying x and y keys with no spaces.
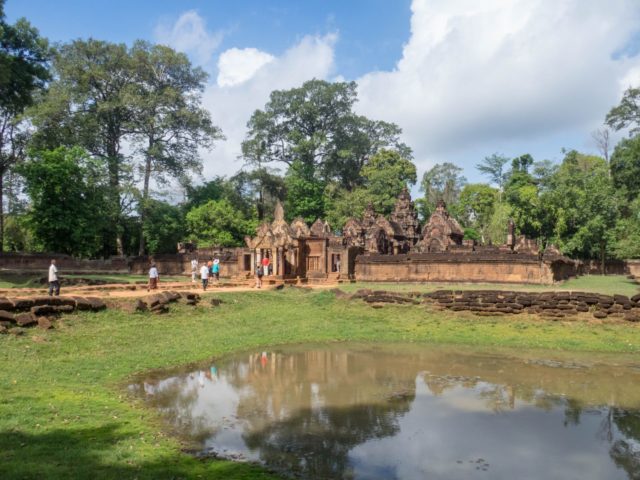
{"x":137,"y":291}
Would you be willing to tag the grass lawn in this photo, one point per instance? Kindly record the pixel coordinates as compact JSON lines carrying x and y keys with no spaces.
{"x":606,"y":284}
{"x":65,"y":412}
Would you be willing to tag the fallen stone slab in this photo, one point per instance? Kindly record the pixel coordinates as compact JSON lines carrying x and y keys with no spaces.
{"x":7,"y":316}
{"x":45,"y":323}
{"x":96,"y":304}
{"x":26,"y":319}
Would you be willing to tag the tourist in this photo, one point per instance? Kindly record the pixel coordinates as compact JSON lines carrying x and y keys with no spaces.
{"x":204,"y":276}
{"x":194,"y":269}
{"x":265,"y":265}
{"x":216,"y":269}
{"x":259,"y":274}
{"x":153,"y":278}
{"x":54,"y":282}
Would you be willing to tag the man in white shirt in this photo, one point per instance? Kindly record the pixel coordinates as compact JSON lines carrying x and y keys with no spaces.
{"x":204,"y":276}
{"x":153,"y":278}
{"x":54,"y":282}
{"x":194,"y":270}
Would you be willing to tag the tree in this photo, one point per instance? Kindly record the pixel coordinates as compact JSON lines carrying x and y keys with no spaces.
{"x":67,"y":190}
{"x":493,"y":167}
{"x":315,"y":126}
{"x":627,"y":113}
{"x":24,"y":70}
{"x":443,"y":182}
{"x":476,"y":204}
{"x":626,"y":235}
{"x":625,"y":166}
{"x":217,"y":223}
{"x":522,"y":194}
{"x":584,"y":206}
{"x":305,"y":192}
{"x":602,"y":140}
{"x":165,"y":227}
{"x":167,"y":122}
{"x":385,"y":175}
{"x":86,"y":105}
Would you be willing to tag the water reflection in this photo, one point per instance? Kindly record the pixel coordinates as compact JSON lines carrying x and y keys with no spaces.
{"x":366,"y":412}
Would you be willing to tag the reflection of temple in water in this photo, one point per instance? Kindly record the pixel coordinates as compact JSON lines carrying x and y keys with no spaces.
{"x":304,"y":411}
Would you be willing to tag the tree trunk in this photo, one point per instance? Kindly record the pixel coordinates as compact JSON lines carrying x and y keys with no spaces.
{"x":113,"y":163}
{"x":144,"y":206}
{"x":602,"y":257}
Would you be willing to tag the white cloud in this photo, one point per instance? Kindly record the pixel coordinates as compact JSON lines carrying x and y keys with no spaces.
{"x":188,"y":34}
{"x":248,"y":77}
{"x":482,"y":76}
{"x":239,"y":65}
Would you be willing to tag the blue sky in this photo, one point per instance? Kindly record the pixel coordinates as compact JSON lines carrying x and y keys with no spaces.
{"x":462,"y":78}
{"x":372,"y":32}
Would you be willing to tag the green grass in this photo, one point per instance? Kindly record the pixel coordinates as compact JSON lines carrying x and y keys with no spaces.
{"x":65,"y":412}
{"x":605,"y":284}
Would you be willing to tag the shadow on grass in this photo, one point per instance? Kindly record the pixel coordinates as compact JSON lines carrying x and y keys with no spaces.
{"x":95,"y":453}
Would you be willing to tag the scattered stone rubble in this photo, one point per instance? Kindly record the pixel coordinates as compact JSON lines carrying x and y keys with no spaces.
{"x":496,"y":302}
{"x":19,"y":313}
{"x":158,"y":303}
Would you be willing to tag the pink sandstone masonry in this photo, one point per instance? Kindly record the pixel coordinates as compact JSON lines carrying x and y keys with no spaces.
{"x":444,"y":267}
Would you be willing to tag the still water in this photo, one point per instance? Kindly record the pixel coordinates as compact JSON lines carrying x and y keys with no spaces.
{"x":410,"y":412}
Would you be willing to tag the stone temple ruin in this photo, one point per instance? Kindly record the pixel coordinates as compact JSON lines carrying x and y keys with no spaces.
{"x":376,"y":248}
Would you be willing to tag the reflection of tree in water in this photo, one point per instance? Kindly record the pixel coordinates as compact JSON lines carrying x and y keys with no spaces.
{"x":625,"y":452}
{"x":304,"y":412}
{"x":315,"y":443}
{"x":175,"y":399}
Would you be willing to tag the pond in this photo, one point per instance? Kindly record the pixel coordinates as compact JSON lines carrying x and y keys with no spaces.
{"x":409,"y":412}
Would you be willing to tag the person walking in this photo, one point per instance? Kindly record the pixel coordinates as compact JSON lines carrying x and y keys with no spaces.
{"x":216,"y":269}
{"x":153,"y":278}
{"x":204,"y":276}
{"x":194,"y":270}
{"x":259,"y":274}
{"x":54,"y":281}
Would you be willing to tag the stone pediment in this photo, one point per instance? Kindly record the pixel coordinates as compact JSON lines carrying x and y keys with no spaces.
{"x":320,"y":229}
{"x":299,"y":228}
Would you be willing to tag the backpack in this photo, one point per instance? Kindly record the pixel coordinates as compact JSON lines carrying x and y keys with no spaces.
{"x":260,"y":271}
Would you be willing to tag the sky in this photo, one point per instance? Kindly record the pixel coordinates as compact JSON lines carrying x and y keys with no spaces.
{"x":463,"y":78}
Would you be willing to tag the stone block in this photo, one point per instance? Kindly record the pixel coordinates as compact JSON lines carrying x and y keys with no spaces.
{"x":22,"y":304}
{"x":600,"y":314}
{"x":6,"y":304}
{"x":26,"y":319}
{"x":96,"y":304}
{"x":7,"y":316}
{"x":43,"y":310}
{"x":44,"y":323}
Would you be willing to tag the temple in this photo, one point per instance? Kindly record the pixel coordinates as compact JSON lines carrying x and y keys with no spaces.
{"x":377,"y":248}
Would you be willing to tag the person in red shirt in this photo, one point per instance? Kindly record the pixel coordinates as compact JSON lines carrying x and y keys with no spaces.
{"x":265,"y":265}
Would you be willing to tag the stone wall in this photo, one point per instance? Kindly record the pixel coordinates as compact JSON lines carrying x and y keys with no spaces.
{"x":447,"y":267}
{"x":633,"y":267}
{"x":66,"y":264}
{"x":497,"y":302}
{"x":180,"y":264}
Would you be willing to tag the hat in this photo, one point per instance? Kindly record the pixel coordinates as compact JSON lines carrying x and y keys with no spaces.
{"x":216,"y":261}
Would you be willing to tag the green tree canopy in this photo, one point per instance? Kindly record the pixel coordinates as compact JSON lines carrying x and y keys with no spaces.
{"x":493,"y":167}
{"x":67,"y":191}
{"x":627,"y":113}
{"x":625,"y":166}
{"x":218,"y":223}
{"x":476,"y":205}
{"x":315,"y":125}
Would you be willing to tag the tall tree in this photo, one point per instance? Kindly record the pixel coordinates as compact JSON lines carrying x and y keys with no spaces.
{"x":442,"y":182}
{"x":315,"y":125}
{"x":493,"y":167}
{"x":217,"y":223}
{"x":169,"y":126}
{"x":477,"y":204}
{"x":86,"y":105}
{"x":24,"y":70}
{"x":627,"y":113}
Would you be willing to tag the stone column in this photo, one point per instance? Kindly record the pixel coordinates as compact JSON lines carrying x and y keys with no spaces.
{"x":253,"y":262}
{"x":275,"y":261}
